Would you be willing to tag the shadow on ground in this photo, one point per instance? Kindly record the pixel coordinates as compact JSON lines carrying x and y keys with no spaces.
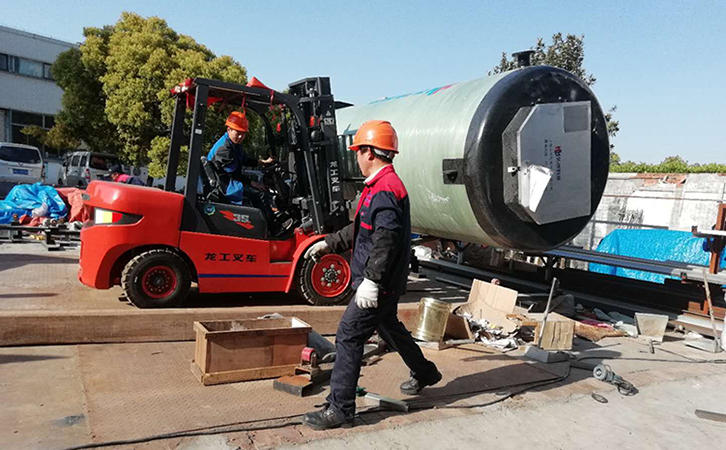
{"x":17,"y":260}
{"x":10,"y":359}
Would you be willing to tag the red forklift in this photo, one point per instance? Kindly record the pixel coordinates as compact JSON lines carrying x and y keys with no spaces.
{"x":155,"y":243}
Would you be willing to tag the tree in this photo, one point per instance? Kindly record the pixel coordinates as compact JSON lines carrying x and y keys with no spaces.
{"x":671,"y":164}
{"x":116,"y":87}
{"x":567,"y":53}
{"x":82,"y":117}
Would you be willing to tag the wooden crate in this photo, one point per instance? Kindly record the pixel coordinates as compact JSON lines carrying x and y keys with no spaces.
{"x":227,"y":351}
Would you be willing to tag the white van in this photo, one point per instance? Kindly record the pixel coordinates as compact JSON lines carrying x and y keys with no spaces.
{"x":80,"y":168}
{"x":19,"y":164}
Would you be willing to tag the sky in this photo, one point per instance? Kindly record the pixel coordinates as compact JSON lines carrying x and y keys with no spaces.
{"x":659,"y":62}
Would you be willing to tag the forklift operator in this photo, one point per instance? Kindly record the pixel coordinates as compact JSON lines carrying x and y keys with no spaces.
{"x":228,"y":158}
{"x":381,"y":240}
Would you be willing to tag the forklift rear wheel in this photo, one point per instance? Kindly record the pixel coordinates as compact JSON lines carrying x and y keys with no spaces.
{"x":156,"y":279}
{"x":326,"y":282}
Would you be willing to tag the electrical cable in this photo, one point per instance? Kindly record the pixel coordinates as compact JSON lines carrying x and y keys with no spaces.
{"x":204,"y":431}
{"x":231,"y":427}
{"x":493,"y":402}
{"x":689,"y":360}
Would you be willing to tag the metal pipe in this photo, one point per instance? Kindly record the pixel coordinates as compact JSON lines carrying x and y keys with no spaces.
{"x":710,"y":308}
{"x":546,"y":311}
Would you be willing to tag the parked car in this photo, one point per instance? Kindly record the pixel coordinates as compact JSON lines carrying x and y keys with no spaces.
{"x":80,"y":168}
{"x":19,"y":164}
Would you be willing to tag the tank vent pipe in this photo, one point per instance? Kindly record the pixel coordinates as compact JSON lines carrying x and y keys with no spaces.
{"x":524,"y":58}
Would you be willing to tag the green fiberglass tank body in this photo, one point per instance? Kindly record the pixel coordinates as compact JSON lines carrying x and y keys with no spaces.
{"x":517,"y":160}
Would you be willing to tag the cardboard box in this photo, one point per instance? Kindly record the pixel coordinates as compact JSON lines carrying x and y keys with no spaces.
{"x":493,"y":303}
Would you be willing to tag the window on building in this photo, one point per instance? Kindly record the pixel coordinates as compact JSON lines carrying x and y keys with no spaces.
{"x":20,"y":120}
{"x":25,"y":118}
{"x":46,"y":72}
{"x":25,"y":66}
{"x":18,"y":137}
{"x":28,"y":67}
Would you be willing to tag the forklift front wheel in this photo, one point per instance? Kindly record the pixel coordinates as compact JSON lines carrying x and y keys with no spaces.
{"x":156,"y":279}
{"x":326,"y":282}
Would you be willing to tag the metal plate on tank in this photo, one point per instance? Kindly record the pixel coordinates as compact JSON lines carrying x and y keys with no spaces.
{"x":549,"y":145}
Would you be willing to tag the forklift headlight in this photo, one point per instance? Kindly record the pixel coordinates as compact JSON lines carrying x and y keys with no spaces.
{"x":107,"y":217}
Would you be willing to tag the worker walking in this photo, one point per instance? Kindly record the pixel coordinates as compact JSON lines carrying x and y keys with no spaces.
{"x":381,"y":239}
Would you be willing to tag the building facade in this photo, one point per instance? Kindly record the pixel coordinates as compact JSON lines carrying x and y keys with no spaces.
{"x":28,"y":93}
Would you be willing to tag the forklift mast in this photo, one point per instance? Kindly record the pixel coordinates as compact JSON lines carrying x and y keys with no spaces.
{"x":317,"y":103}
{"x":312,"y":139}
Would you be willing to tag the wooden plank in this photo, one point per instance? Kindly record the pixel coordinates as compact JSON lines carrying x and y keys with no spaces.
{"x":438,"y":346}
{"x":234,"y":376}
{"x":713,"y":265}
{"x":255,"y":327}
{"x":558,"y":333}
{"x":22,"y":327}
{"x":197,"y":371}
{"x":237,"y":352}
{"x":287,"y":349}
{"x":200,"y":349}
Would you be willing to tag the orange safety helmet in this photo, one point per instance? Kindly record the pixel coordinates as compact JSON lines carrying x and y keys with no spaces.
{"x":238,"y":121}
{"x":376,"y":133}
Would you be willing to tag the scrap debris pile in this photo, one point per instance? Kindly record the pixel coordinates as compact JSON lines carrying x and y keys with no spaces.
{"x":504,"y":319}
{"x":39,"y":205}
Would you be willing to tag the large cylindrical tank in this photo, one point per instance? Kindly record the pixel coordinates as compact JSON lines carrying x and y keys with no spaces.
{"x":516,"y":160}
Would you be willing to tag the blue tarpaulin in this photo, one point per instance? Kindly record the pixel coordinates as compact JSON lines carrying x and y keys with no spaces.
{"x":24,"y":198}
{"x":657,"y":245}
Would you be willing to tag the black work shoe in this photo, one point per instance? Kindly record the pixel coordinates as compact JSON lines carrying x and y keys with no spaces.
{"x":412,"y":386}
{"x":326,"y":419}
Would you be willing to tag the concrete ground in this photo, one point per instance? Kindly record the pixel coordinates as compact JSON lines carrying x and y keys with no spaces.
{"x":57,"y":397}
{"x":32,"y":278}
{"x":661,"y":416}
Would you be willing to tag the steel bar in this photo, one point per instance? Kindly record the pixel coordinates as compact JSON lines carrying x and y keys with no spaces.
{"x":676,"y":269}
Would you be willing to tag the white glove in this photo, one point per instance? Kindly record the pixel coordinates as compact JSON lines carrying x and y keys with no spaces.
{"x":317,"y":250}
{"x":367,"y":294}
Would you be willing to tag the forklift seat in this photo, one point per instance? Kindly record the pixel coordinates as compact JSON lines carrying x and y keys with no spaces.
{"x":225,"y":218}
{"x":211,"y":185}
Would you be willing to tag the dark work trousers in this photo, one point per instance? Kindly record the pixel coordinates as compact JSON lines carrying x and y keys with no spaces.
{"x":258,"y":200}
{"x":356,"y":327}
